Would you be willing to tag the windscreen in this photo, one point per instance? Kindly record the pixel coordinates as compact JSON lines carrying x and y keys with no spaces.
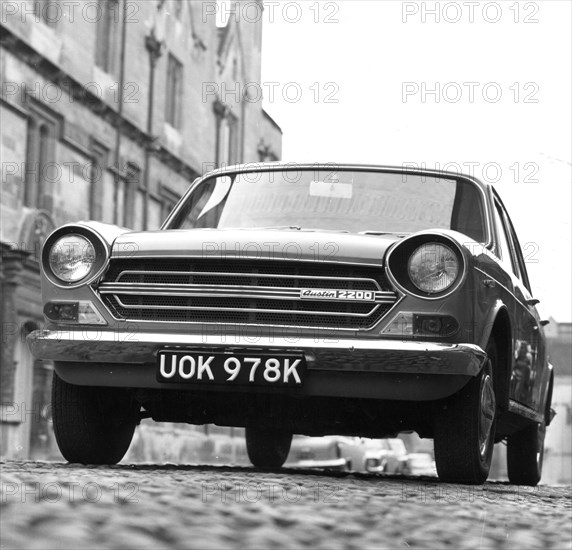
{"x":334,"y":200}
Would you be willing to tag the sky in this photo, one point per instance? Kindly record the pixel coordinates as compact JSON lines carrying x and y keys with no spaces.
{"x":480,"y":87}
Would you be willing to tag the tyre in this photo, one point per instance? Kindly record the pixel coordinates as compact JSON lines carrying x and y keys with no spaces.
{"x":524,"y":454}
{"x":267,"y":448}
{"x":465,"y":428}
{"x":92,"y":425}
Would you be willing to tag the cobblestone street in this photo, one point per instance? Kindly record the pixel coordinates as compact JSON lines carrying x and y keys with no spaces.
{"x":54,"y":505}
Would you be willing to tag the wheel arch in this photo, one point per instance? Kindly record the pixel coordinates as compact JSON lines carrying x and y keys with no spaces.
{"x":501,"y":332}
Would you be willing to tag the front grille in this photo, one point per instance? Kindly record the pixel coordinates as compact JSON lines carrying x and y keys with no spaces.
{"x":257,"y":292}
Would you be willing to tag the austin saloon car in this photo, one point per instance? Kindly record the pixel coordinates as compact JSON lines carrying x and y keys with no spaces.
{"x":303,"y":299}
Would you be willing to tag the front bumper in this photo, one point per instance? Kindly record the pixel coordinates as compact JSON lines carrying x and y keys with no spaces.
{"x":369,"y":368}
{"x":331,"y":464}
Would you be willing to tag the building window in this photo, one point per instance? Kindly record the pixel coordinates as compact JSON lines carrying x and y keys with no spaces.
{"x":47,"y":11}
{"x":40,"y":154}
{"x":228,"y":153}
{"x":132,"y":180}
{"x":227,"y":136}
{"x":107,"y":43}
{"x":174,"y":92}
{"x":98,"y":167}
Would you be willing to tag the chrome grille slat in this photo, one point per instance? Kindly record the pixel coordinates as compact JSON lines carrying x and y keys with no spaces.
{"x":243,"y":291}
{"x":228,"y":291}
{"x":258,"y":310}
{"x":245,"y":275}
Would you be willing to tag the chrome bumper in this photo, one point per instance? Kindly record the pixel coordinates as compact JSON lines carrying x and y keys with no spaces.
{"x":331,"y":464}
{"x":346,"y":355}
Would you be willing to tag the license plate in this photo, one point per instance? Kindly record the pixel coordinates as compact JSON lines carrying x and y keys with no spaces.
{"x":230,"y":369}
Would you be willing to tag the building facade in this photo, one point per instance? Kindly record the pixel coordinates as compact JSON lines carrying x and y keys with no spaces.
{"x":109,"y":110}
{"x":558,"y":448}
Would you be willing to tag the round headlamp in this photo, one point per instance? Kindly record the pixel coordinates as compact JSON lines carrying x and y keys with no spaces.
{"x":433,"y":267}
{"x":72,"y":258}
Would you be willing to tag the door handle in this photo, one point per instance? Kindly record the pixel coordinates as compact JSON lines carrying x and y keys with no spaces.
{"x":544,"y":322}
{"x":533,"y":301}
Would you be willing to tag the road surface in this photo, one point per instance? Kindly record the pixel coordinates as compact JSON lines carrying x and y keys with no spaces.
{"x":55,"y":505}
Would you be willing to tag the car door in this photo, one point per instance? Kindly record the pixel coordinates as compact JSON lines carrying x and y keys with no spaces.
{"x":528,"y":351}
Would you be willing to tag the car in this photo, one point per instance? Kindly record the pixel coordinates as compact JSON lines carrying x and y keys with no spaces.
{"x":399,"y":451}
{"x":328,"y":452}
{"x":314,"y":299}
{"x":384,"y":455}
{"x":420,"y":464}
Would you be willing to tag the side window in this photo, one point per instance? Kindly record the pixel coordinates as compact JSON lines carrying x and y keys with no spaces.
{"x":503,"y":243}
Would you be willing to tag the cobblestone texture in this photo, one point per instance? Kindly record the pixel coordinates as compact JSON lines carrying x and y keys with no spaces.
{"x":54,"y":505}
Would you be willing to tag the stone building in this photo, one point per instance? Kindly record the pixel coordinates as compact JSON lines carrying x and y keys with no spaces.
{"x":109,"y":110}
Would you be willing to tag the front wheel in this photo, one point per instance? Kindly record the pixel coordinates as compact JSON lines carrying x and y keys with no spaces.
{"x":524,"y":454}
{"x":267,"y":448}
{"x":465,"y":429}
{"x":92,"y":425}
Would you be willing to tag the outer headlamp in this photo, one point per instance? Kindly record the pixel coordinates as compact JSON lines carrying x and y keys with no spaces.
{"x":72,"y":258}
{"x":433,"y":267}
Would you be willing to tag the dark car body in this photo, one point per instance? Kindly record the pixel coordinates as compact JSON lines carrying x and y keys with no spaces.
{"x":347,"y":343}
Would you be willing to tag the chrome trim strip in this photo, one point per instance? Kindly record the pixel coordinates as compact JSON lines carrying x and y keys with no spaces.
{"x":512,"y":294}
{"x":229,"y":291}
{"x":166,"y":289}
{"x":252,"y":310}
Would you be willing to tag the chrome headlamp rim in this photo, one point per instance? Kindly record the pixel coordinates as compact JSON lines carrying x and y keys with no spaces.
{"x":407,"y":246}
{"x":100,"y":245}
